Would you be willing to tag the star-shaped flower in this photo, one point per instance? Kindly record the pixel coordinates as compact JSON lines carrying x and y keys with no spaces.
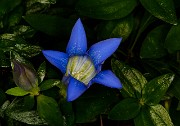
{"x":82,"y":68}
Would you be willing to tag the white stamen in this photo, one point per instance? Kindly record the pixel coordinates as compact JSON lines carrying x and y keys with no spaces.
{"x":81,"y":68}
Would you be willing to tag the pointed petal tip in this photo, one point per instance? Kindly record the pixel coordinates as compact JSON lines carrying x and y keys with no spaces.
{"x":75,"y":89}
{"x":70,"y":99}
{"x":108,"y":78}
{"x":119,"y":86}
{"x":56,"y":58}
{"x":44,"y":51}
{"x":79,"y":20}
{"x":47,"y":52}
{"x":116,"y":40}
{"x":77,"y":44}
{"x":100,"y":51}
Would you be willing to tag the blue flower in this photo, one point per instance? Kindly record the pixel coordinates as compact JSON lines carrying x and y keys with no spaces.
{"x":82,"y":68}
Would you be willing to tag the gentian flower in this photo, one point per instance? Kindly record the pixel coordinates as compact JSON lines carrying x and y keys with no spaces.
{"x":82,"y":68}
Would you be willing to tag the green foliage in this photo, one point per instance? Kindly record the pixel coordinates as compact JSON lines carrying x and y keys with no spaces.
{"x":162,"y":9}
{"x":116,"y":28}
{"x":18,"y":111}
{"x":149,"y":95}
{"x":17,"y":91}
{"x":92,"y":104}
{"x":107,"y":9}
{"x":47,"y":84}
{"x":175,"y":89}
{"x":133,"y":81}
{"x":51,"y":25}
{"x":143,"y":118}
{"x":41,"y":71}
{"x":29,"y":101}
{"x":130,"y":107}
{"x":172,"y":39}
{"x":67,"y":111}
{"x":27,"y":50}
{"x":147,"y":62}
{"x":155,"y":89}
{"x":153,"y":116}
{"x":153,"y":45}
{"x":8,"y":5}
{"x":48,"y":109}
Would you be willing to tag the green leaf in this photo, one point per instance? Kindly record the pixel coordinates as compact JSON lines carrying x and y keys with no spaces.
{"x":27,"y":50}
{"x":106,"y":9}
{"x":3,"y":108}
{"x":175,"y":89}
{"x":28,"y":117}
{"x":17,"y":91}
{"x":17,"y":110}
{"x":144,"y":118}
{"x":42,"y":71}
{"x":15,"y":16}
{"x":173,"y":38}
{"x":116,"y":28}
{"x":125,"y":109}
{"x":156,"y":67}
{"x":8,"y":41}
{"x":153,"y":116}
{"x":46,"y":1}
{"x":35,"y":6}
{"x":29,"y":102}
{"x":95,"y":101}
{"x":146,"y":20}
{"x":47,"y":84}
{"x":133,"y":81}
{"x":51,"y":25}
{"x":162,"y":9}
{"x":68,"y":112}
{"x":20,"y":104}
{"x":8,"y":5}
{"x":48,"y":109}
{"x":155,"y":89}
{"x":153,"y":45}
{"x":24,"y":31}
{"x":159,"y":115}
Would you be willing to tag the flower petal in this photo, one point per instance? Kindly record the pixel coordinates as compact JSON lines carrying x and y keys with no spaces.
{"x":75,"y":89}
{"x":77,"y":44}
{"x":58,"y":59}
{"x":103,"y":49}
{"x":107,"y":78}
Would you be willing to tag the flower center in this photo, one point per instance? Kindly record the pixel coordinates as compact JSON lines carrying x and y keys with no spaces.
{"x":81,"y":68}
